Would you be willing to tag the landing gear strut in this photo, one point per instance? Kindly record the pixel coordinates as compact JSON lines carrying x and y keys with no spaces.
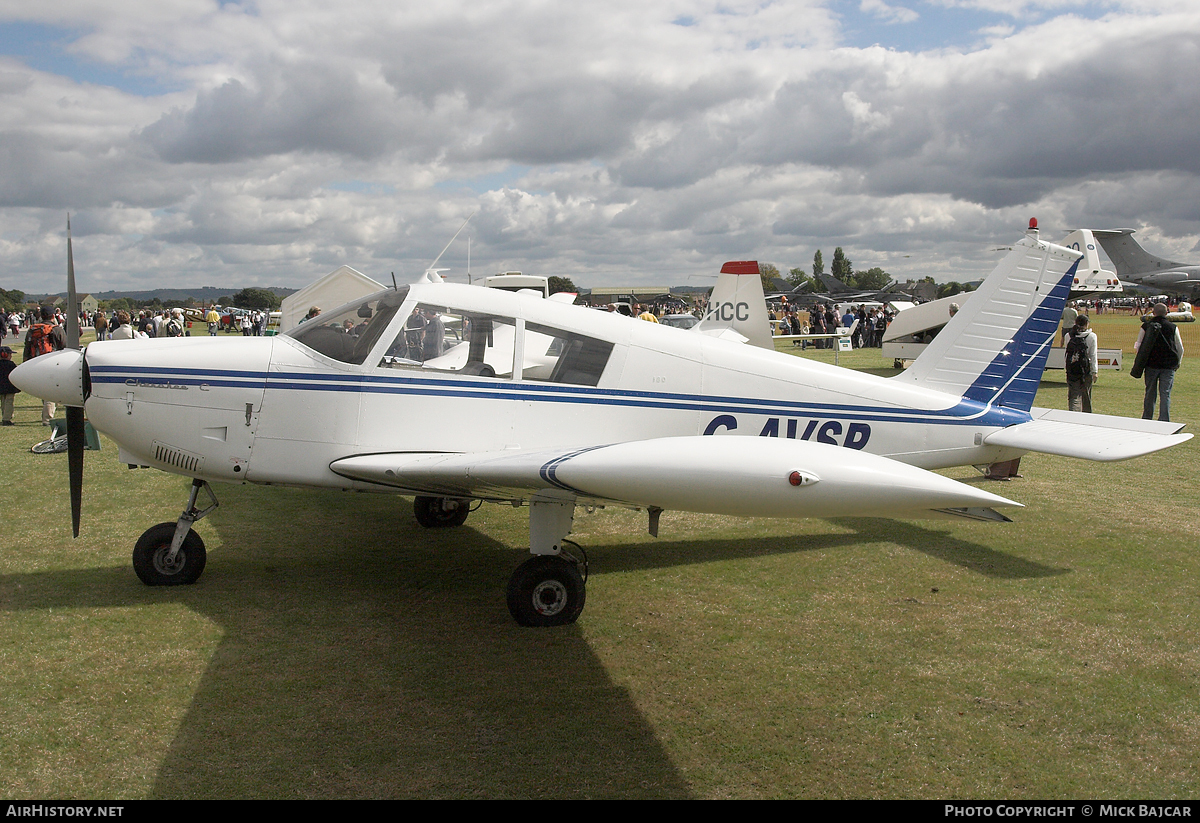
{"x":171,"y":554}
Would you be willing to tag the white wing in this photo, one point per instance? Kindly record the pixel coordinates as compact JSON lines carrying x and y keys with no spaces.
{"x":746,"y":476}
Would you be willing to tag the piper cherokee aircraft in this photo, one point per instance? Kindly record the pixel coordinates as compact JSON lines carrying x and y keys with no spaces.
{"x":582,"y":407}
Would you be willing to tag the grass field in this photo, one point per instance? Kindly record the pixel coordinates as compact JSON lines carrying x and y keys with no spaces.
{"x":333,"y":648}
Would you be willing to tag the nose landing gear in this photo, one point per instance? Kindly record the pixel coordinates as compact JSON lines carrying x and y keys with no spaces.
{"x":171,"y":554}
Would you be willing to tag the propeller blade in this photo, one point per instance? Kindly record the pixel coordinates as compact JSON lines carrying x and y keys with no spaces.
{"x":76,"y":435}
{"x":76,"y":443}
{"x":72,"y":329}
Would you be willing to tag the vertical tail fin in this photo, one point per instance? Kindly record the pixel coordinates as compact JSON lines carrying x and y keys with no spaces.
{"x":737,"y":304}
{"x":1089,"y":277}
{"x":1127,"y":255}
{"x":993,"y":351}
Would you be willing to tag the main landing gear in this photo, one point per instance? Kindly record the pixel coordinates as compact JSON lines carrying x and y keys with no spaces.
{"x":441,"y":512}
{"x":171,"y":554}
{"x":548,"y":589}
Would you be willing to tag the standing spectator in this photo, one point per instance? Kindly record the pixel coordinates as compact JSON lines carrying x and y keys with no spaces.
{"x":1081,"y":365}
{"x":123,"y":330}
{"x":414,"y":335}
{"x":46,"y":337}
{"x":174,"y":326}
{"x":101,"y":325}
{"x":433,"y":343}
{"x":213,"y":319}
{"x":1159,"y":353}
{"x":8,"y":391}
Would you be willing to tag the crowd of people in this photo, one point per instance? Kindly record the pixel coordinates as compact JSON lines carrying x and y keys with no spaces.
{"x":868,"y":324}
{"x":144,"y":323}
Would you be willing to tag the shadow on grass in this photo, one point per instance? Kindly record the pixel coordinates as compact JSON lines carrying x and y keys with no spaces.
{"x":363,"y":656}
{"x":945,"y":547}
{"x":939,"y":544}
{"x":374,"y":659}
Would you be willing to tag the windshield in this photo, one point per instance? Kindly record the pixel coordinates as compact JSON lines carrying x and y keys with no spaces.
{"x":349,"y":333}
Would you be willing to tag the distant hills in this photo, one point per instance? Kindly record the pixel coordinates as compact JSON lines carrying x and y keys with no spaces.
{"x":203,"y":294}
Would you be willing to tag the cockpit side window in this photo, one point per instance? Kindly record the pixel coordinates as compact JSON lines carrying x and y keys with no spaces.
{"x":441,"y":338}
{"x":350,"y":333}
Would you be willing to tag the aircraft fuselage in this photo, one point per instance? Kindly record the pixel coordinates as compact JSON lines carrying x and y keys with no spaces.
{"x":275,"y":410}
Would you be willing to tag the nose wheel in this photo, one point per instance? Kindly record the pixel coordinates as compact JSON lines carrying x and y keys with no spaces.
{"x":156,"y":566}
{"x":171,"y":554}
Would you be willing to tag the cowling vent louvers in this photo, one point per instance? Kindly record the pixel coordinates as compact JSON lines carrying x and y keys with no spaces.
{"x":178,"y":458}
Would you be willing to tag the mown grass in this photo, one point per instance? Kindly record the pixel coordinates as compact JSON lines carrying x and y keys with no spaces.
{"x":335,"y":649}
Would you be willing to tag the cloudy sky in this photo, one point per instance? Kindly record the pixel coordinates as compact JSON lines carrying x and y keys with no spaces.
{"x":266,"y":142}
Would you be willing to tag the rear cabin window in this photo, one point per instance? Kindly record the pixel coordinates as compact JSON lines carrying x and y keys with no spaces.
{"x":557,"y":356}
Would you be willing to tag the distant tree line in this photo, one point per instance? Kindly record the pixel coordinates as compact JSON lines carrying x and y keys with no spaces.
{"x":248,"y":298}
{"x":13,"y":300}
{"x":872,"y":279}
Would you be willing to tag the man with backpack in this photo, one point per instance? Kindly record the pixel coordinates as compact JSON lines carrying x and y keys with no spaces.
{"x":1081,"y":365}
{"x":174,"y":326}
{"x":45,"y":337}
{"x":1159,"y":353}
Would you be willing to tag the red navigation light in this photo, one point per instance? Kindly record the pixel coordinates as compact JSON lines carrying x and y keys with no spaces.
{"x":1032,"y":223}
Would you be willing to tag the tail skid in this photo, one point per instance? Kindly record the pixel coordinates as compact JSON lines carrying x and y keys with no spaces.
{"x":994,"y":350}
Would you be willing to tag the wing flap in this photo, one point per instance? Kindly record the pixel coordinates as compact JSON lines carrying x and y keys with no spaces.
{"x":742,"y":476}
{"x":1088,"y":436}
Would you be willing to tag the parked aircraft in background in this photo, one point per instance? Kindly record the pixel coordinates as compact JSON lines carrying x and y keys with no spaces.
{"x":1135,"y":264}
{"x":842,"y":293}
{"x":457,"y":394}
{"x":1090,"y":278}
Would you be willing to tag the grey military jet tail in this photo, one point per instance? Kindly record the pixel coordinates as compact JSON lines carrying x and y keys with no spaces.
{"x":1135,"y":264}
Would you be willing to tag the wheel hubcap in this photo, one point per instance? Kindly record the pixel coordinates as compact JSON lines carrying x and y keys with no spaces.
{"x":549,"y":598}
{"x":163,"y":567}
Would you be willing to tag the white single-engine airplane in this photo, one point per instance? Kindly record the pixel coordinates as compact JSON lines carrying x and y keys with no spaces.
{"x":459,"y":393}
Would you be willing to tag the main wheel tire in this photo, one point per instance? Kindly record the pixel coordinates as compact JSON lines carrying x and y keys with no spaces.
{"x":441,"y":512}
{"x":546,"y":590}
{"x":152,"y":548}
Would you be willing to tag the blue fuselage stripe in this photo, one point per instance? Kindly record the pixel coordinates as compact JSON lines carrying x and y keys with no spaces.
{"x":963,"y":412}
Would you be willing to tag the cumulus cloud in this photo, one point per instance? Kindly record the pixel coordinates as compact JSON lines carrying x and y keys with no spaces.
{"x":620,"y":141}
{"x":887,"y":13}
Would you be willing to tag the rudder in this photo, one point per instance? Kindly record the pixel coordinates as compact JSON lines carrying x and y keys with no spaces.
{"x":993,"y":351}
